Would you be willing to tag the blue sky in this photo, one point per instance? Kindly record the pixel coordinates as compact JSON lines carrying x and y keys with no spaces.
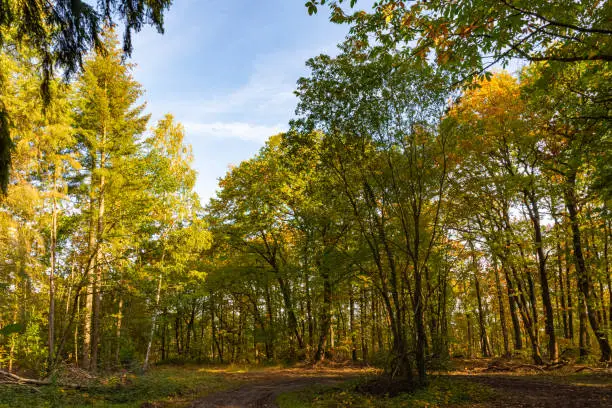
{"x":227,"y":69}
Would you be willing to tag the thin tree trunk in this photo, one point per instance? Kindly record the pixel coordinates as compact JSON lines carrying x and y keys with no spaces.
{"x":584,"y":280}
{"x":325,"y":321}
{"x":607,"y":270}
{"x":484,"y":343}
{"x":309,"y":315}
{"x":118,"y":331}
{"x":51,"y":337}
{"x":502,"y":312}
{"x":362,"y":324}
{"x":352,"y":324}
{"x":145,"y":365}
{"x":549,"y":324}
{"x":97,"y":310}
{"x":562,"y":293}
{"x":582,"y":325}
{"x":570,"y":306}
{"x":527,"y":319}
{"x":513,"y":303}
{"x":470,"y":335}
{"x":89,"y":297}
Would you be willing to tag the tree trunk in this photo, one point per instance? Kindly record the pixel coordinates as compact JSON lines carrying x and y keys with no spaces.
{"x":362,"y":325}
{"x":51,"y":337}
{"x":584,"y":279}
{"x":309,"y":315}
{"x":570,"y":306}
{"x":549,"y":324}
{"x":513,"y":303}
{"x":325,"y":321}
{"x":468,"y":319}
{"x":145,"y":365}
{"x":607,"y":270}
{"x":420,"y":325}
{"x":118,"y":331}
{"x":353,"y":335}
{"x":96,"y":312}
{"x":582,"y":325}
{"x":527,"y":319}
{"x":90,"y":289}
{"x":484,"y":342}
{"x":566,"y":332}
{"x":502,"y":312}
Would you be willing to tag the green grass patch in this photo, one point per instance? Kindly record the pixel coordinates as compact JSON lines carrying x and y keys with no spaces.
{"x":167,"y":386}
{"x":441,"y":392}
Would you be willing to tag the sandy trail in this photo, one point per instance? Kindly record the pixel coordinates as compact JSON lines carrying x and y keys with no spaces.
{"x":262,"y":388}
{"x":533,"y":392}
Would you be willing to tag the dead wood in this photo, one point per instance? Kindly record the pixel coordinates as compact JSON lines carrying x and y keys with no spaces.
{"x":10,"y":378}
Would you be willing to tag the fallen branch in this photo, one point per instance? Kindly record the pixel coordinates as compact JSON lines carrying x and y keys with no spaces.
{"x":498,"y":366}
{"x":555,"y":366}
{"x":10,"y":378}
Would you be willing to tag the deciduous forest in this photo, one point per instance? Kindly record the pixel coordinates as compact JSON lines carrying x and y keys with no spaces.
{"x":427,"y":209}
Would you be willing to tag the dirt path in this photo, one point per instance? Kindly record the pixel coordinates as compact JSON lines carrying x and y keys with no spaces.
{"x":532,"y":392}
{"x":262,"y":388}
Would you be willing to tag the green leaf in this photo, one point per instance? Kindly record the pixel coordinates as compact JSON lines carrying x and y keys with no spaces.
{"x":12,"y":329}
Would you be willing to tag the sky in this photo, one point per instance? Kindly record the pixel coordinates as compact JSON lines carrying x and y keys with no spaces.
{"x":227,"y":69}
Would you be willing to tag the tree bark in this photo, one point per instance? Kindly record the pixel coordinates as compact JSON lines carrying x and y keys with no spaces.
{"x":502,"y":312}
{"x":484,"y":342}
{"x":353,"y":335}
{"x":325,"y":321}
{"x":145,"y":364}
{"x":549,"y":323}
{"x":584,"y":278}
{"x":51,"y":336}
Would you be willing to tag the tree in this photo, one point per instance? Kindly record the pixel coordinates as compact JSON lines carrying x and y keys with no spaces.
{"x":574,"y":134}
{"x":108,"y":127}
{"x":478,"y":34}
{"x":498,"y":131}
{"x":181,"y":235}
{"x":251,"y":212}
{"x":392,"y":161}
{"x":60,"y":33}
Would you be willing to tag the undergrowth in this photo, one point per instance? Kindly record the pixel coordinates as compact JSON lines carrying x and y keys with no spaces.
{"x":175,"y":385}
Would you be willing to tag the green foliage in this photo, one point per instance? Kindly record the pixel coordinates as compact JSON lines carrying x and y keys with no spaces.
{"x":59,"y":34}
{"x":400,"y":220}
{"x":472,"y":36}
{"x":11,"y":329}
{"x":168,"y":385}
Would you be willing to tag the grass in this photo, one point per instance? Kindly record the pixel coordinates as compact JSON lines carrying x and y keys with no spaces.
{"x":168,"y":386}
{"x":441,"y":392}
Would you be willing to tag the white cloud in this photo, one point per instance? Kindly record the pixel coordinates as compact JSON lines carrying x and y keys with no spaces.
{"x":237,"y":130}
{"x":265,"y":95}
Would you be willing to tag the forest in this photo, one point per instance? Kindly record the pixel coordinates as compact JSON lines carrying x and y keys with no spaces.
{"x":426,"y":206}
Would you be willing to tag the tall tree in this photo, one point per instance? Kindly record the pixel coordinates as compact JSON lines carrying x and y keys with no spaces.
{"x":60,"y":33}
{"x":109,"y":123}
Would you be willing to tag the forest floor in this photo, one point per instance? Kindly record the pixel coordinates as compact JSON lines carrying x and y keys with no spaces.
{"x":263,"y":388}
{"x":468,"y":383}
